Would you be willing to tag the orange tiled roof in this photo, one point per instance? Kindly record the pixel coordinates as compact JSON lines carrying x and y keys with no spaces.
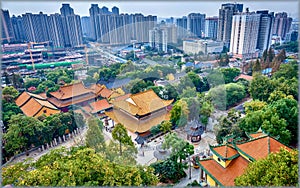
{"x":33,"y":106}
{"x":134,"y":124}
{"x":123,"y":97}
{"x":69,"y":91}
{"x":256,"y":135}
{"x":106,"y":93}
{"x":225,"y":151}
{"x":225,"y":176}
{"x":244,"y":76}
{"x":63,"y":103}
{"x":101,"y":90}
{"x":25,"y":96}
{"x":100,"y":105}
{"x":142,"y":103}
{"x":260,"y":147}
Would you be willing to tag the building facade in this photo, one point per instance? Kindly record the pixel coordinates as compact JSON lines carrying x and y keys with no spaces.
{"x":18,"y":27}
{"x":158,"y":38}
{"x":244,"y":35}
{"x":196,"y":24}
{"x":282,"y":24}
{"x":204,"y":46}
{"x":211,"y":27}
{"x":181,"y":24}
{"x":265,"y":29}
{"x":225,"y":21}
{"x":6,"y":27}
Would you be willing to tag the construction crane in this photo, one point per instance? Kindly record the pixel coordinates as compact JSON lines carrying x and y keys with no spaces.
{"x":30,"y":52}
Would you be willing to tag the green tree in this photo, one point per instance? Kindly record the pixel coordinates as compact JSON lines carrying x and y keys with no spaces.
{"x":261,"y":87}
{"x":80,"y":166}
{"x":33,"y":82}
{"x":288,"y":71}
{"x":9,"y":109}
{"x":94,"y":136}
{"x":229,"y":74}
{"x":165,"y":126}
{"x":278,"y":169}
{"x":257,"y":66}
{"x":254,"y":105}
{"x":119,"y":133}
{"x":179,"y":147}
{"x":228,"y":125}
{"x":10,"y":90}
{"x":22,"y":132}
{"x":179,"y":113}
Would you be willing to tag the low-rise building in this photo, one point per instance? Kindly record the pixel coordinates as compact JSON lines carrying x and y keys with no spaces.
{"x":204,"y":46}
{"x":33,"y":105}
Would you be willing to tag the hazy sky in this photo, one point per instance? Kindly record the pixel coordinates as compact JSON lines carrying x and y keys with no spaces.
{"x":159,"y":8}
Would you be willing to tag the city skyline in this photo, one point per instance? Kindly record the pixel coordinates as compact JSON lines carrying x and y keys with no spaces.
{"x":161,"y":9}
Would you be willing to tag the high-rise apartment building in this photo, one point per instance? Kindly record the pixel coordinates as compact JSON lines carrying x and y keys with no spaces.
{"x":115,"y":10}
{"x":158,"y":39}
{"x":196,"y":24}
{"x":86,"y":26}
{"x":56,"y":33}
{"x":114,"y":28}
{"x":244,"y":35}
{"x":211,"y":27}
{"x":225,"y":21}
{"x":17,"y":24}
{"x":36,"y":27}
{"x":282,"y":24}
{"x":71,"y":27}
{"x":265,"y":29}
{"x":95,"y":24}
{"x":181,"y":27}
{"x":171,"y":31}
{"x":6,"y":27}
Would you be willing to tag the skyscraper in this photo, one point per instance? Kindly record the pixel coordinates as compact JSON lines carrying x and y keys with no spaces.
{"x":66,"y":10}
{"x":265,"y":29}
{"x":225,"y":21}
{"x":244,"y":35}
{"x":115,"y":10}
{"x":17,"y":24}
{"x":7,"y":29}
{"x":56,"y":34}
{"x":211,"y":27}
{"x":196,"y":24}
{"x":71,"y":27}
{"x":158,"y":39}
{"x":86,"y":26}
{"x":282,"y":24}
{"x":95,"y":24}
{"x":36,"y":27}
{"x":181,"y":27}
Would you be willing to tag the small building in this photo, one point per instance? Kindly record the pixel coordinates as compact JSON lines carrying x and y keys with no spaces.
{"x":33,"y":105}
{"x":141,"y":111}
{"x":194,"y":130}
{"x":230,"y":159}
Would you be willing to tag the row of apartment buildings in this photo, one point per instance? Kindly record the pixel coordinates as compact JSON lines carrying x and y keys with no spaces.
{"x":67,"y":29}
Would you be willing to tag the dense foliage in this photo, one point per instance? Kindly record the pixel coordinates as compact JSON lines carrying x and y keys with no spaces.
{"x":80,"y":166}
{"x":278,"y":169}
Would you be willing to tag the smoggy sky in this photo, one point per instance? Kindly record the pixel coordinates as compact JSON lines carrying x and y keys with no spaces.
{"x":163,"y":9}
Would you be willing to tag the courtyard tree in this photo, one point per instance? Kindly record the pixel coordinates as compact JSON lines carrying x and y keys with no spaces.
{"x":120,"y":134}
{"x":94,"y":136}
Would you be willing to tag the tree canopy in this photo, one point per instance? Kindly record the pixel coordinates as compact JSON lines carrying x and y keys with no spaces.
{"x":278,"y":169}
{"x":80,"y":166}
